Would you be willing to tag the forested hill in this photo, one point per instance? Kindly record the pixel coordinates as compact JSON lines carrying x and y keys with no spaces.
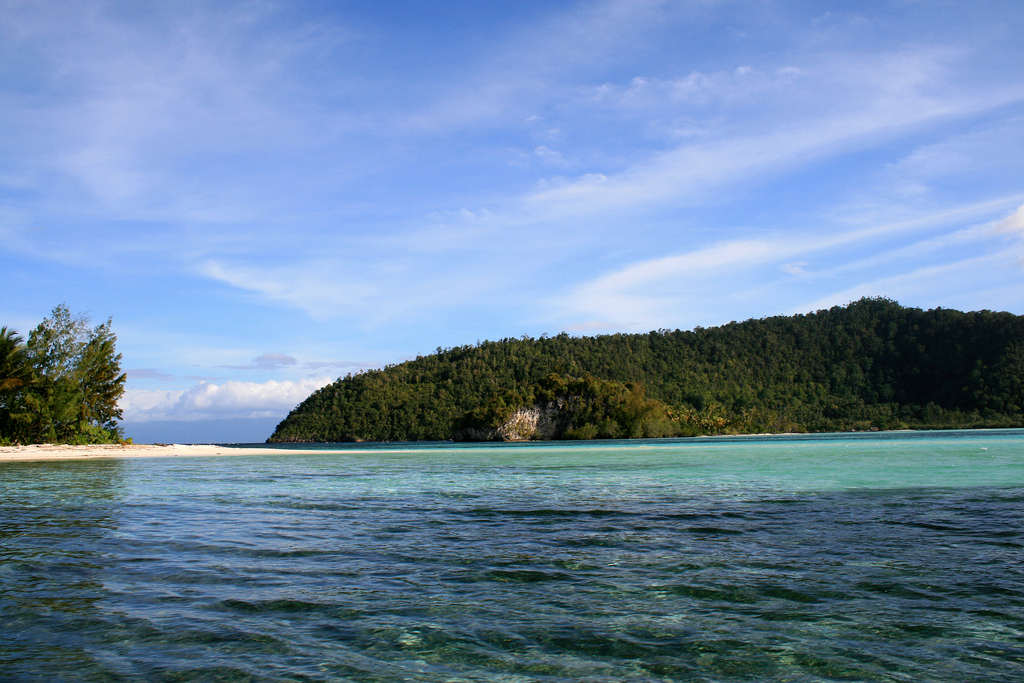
{"x":871,"y":364}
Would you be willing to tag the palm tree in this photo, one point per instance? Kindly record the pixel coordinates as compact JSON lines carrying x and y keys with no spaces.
{"x":15,"y":374}
{"x":15,"y":370}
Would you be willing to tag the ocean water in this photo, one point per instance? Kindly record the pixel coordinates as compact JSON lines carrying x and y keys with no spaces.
{"x":867,"y":557}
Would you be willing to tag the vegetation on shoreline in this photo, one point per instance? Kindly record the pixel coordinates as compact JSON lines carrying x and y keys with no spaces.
{"x":870,"y":365}
{"x":562,"y":407}
{"x":62,"y":385}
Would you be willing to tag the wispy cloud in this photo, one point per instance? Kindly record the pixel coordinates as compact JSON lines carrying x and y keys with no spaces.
{"x":268,"y":361}
{"x":892,"y":94}
{"x":1012,"y":224}
{"x":324,"y":364}
{"x":529,"y":69}
{"x":688,"y":173}
{"x":147,"y":373}
{"x":929,"y":285}
{"x":680,"y":286}
{"x":320,"y":287}
{"x":374,"y":292}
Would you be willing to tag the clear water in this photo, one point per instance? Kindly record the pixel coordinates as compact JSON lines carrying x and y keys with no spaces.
{"x":883,"y":557}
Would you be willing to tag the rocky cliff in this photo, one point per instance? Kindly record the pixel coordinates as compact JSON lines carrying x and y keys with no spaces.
{"x":539,"y":422}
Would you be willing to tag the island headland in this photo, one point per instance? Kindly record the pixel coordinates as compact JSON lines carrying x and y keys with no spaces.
{"x":872,"y":364}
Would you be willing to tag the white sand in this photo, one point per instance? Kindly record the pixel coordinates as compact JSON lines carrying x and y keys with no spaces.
{"x":57,"y":452}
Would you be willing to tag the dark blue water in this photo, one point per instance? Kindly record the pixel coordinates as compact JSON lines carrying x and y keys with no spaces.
{"x":883,"y":558}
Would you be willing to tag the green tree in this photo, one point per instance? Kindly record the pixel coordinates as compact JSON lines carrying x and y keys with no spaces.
{"x":100,"y":380}
{"x":78,"y":381}
{"x":15,"y":377}
{"x":15,"y":371}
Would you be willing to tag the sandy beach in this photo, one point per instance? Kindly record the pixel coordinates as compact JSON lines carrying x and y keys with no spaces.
{"x":61,"y":452}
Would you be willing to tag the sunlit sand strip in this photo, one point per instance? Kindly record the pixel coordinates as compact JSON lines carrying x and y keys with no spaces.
{"x":58,"y":452}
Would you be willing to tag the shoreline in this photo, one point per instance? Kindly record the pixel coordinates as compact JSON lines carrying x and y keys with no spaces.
{"x":52,"y":452}
{"x":38,"y":452}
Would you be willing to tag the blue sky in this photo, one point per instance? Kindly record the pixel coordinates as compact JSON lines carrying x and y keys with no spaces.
{"x":268,"y":195}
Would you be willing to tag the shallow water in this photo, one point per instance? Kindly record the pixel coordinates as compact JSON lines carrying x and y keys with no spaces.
{"x":882,"y":557}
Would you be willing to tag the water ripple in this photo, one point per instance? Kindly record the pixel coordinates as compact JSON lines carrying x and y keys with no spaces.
{"x":331,"y":568}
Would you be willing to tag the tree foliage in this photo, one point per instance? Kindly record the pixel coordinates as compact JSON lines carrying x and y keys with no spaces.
{"x":870,"y":364}
{"x":579,"y":408}
{"x":63,"y":385}
{"x":15,"y":376}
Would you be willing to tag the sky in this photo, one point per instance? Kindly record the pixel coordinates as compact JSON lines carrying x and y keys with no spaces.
{"x":265,"y":196}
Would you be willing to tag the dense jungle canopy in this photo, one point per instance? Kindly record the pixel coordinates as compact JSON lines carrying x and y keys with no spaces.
{"x":872,"y":364}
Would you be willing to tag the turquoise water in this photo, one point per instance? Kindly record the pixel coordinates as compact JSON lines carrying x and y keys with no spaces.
{"x":881,"y":557}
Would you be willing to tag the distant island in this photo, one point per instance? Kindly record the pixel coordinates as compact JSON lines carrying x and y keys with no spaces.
{"x":872,"y":364}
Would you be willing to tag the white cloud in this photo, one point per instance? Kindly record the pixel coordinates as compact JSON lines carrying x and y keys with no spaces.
{"x":401,"y":284}
{"x":590,"y":326}
{"x":268,"y":361}
{"x":208,"y":401}
{"x":688,"y":287}
{"x":147,"y":373}
{"x":320,"y":287}
{"x":529,"y":68}
{"x":956,"y":284}
{"x":685,"y":175}
{"x":742,"y":85}
{"x":1014,"y":223}
{"x":645,"y":293}
{"x":551,"y":157}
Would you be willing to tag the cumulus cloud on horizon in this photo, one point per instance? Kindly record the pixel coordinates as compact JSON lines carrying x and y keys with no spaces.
{"x":209,"y":401}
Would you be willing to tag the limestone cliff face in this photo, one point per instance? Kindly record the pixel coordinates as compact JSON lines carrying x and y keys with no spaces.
{"x":539,"y":422}
{"x":535,"y":423}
